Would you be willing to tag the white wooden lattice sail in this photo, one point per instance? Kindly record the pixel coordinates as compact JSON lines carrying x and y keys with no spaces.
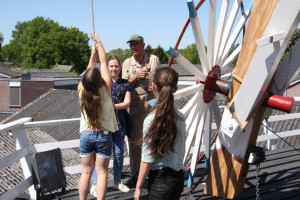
{"x":203,"y":106}
{"x":237,"y":125}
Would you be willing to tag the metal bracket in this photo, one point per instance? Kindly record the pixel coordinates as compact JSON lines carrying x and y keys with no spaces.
{"x":271,"y":38}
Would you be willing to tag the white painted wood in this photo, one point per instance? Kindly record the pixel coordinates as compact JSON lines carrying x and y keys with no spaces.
{"x":17,"y":190}
{"x":51,"y":122}
{"x":21,"y":141}
{"x":200,"y":44}
{"x":233,"y":37}
{"x":274,"y":37}
{"x":287,"y":70}
{"x":231,"y":58}
{"x":280,"y":134}
{"x":266,"y":128}
{"x":208,"y":131}
{"x":194,"y":112}
{"x":187,"y":83}
{"x":70,"y":170}
{"x":220,"y":29}
{"x":14,"y":157}
{"x":13,"y":125}
{"x":197,"y":143}
{"x":188,"y":107}
{"x":229,"y":124}
{"x":275,"y":118}
{"x":190,"y":67}
{"x":194,"y":119}
{"x":216,"y":111}
{"x":188,"y":91}
{"x":211,"y":32}
{"x":236,"y":145}
{"x":53,"y":145}
{"x":228,"y":28}
{"x":286,"y":18}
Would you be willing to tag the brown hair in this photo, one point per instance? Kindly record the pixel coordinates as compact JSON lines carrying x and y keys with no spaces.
{"x":163,"y":130}
{"x":90,"y":97}
{"x":114,"y":57}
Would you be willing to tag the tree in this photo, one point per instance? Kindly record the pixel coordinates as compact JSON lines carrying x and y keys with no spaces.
{"x":159,"y":52}
{"x":148,"y":49}
{"x":293,"y":41}
{"x":43,"y":43}
{"x":122,"y":54}
{"x":190,"y":53}
{"x":1,"y":40}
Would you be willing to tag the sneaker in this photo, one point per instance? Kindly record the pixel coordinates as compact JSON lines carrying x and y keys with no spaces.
{"x":131,"y":181}
{"x":121,"y":187}
{"x":93,"y":191}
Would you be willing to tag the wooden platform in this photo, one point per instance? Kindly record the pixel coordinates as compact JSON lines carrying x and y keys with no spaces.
{"x":279,"y":179}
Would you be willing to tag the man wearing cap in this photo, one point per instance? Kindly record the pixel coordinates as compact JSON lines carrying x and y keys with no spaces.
{"x":139,"y":69}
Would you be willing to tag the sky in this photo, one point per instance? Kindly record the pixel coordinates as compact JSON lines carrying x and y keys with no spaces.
{"x":158,"y":21}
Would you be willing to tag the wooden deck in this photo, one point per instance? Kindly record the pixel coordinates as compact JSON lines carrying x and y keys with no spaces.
{"x":279,"y":179}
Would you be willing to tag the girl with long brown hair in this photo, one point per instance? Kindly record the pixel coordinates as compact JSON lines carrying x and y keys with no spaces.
{"x":97,"y":122}
{"x":163,"y":142}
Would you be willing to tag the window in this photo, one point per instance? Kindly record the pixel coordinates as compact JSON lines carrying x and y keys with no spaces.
{"x":15,"y":94}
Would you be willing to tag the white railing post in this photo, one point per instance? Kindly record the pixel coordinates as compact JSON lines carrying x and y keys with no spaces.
{"x":21,"y":141}
{"x":267,"y":126}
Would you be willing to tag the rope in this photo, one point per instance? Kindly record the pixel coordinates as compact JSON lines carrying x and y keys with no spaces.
{"x":281,"y":138}
{"x":92,"y":4}
{"x":257,"y":182}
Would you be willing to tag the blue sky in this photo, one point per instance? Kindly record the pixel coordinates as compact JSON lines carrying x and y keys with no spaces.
{"x":158,"y":21}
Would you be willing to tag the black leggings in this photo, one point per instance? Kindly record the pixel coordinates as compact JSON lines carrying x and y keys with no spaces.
{"x":165,"y":184}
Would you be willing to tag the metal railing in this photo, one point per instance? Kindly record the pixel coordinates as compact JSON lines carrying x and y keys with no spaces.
{"x":24,"y":151}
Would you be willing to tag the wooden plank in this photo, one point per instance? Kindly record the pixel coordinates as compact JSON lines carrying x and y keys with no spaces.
{"x":235,"y":35}
{"x":261,"y":13}
{"x":220,"y":28}
{"x":228,"y":171}
{"x":198,"y":37}
{"x":185,"y":63}
{"x":228,"y":28}
{"x":197,"y":145}
{"x":285,"y":18}
{"x":211,"y":30}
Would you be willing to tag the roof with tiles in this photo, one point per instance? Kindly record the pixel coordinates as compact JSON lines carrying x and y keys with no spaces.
{"x":6,"y":72}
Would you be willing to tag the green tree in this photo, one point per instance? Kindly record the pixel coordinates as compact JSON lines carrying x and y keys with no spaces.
{"x":148,"y":49}
{"x":293,"y":41}
{"x":190,"y":53}
{"x":122,"y":54}
{"x":1,"y":40}
{"x":160,"y":53}
{"x":43,"y":43}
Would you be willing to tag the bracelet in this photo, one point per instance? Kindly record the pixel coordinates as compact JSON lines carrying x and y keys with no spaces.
{"x":98,"y":42}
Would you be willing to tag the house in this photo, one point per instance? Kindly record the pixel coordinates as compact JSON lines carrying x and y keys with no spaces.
{"x":17,"y":89}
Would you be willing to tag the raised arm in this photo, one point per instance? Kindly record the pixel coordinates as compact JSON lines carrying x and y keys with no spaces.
{"x":103,"y":62}
{"x":92,"y":62}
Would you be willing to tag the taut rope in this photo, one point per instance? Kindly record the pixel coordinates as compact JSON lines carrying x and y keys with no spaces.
{"x":92,"y":4}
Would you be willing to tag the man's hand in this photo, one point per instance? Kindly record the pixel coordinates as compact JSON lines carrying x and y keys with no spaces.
{"x":142,"y":74}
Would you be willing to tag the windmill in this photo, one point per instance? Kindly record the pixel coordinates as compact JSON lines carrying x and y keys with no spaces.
{"x":269,"y":30}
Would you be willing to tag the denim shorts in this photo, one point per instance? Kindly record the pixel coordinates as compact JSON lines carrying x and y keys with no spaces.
{"x":99,"y":142}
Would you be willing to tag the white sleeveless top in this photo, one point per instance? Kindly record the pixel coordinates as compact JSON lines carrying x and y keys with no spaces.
{"x":109,"y":121}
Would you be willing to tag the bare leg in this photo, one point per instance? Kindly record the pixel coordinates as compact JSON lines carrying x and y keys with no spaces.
{"x":88,"y":164}
{"x":102,"y":171}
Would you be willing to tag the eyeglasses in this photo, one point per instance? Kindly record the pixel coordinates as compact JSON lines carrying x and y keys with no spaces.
{"x":131,"y":44}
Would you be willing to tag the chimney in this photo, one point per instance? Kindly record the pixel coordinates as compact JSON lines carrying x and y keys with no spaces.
{"x":26,"y":76}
